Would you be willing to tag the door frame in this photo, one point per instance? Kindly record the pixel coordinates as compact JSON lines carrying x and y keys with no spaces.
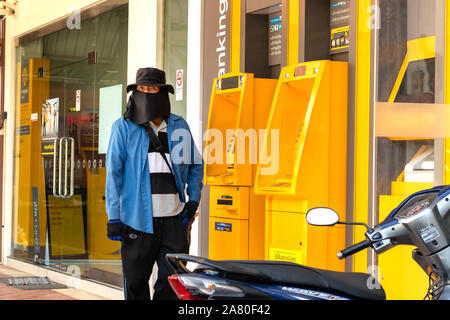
{"x":2,"y":133}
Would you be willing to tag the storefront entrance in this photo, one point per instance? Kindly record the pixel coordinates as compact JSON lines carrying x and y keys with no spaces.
{"x":71,"y":88}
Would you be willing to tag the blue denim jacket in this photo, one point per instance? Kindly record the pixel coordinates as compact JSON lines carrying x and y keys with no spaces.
{"x":128,"y":188}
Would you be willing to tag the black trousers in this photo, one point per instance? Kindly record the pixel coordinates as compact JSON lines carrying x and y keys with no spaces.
{"x":141,"y":250}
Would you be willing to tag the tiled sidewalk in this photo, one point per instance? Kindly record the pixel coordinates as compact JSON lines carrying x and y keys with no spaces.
{"x":11,"y":293}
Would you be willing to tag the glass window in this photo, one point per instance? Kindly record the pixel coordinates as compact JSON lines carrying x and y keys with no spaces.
{"x":408,"y":129}
{"x":175,"y":51}
{"x":66,"y":81}
{"x":406,"y":80}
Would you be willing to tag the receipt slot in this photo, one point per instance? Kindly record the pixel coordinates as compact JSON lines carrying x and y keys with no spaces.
{"x":309,"y":116}
{"x":239,"y":109}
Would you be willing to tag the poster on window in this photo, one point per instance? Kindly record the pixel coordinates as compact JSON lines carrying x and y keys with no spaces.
{"x":50,"y":119}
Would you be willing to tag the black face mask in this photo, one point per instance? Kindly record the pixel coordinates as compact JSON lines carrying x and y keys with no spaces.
{"x":144,"y":107}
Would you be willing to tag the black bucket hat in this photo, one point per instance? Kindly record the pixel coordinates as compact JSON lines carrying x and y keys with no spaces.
{"x":150,"y":77}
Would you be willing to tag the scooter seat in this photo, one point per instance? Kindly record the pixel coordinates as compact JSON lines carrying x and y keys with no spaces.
{"x":352,"y":285}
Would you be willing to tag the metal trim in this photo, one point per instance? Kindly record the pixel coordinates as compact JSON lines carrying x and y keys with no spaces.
{"x":2,"y":140}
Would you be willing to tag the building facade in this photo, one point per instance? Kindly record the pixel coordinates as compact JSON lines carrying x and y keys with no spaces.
{"x":67,"y":72}
{"x":67,"y":64}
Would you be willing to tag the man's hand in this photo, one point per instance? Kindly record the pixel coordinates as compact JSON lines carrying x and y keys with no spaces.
{"x":190,"y":209}
{"x":115,"y":230}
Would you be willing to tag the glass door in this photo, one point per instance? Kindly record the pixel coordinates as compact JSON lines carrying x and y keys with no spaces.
{"x":72,"y":88}
{"x":67,"y":130}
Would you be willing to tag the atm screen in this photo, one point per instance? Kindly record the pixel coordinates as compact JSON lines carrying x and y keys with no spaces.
{"x":230,"y":83}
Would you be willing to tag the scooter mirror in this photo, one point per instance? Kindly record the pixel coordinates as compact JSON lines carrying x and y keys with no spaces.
{"x":322,"y":217}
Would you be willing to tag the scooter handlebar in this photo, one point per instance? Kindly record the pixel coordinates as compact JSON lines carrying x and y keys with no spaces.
{"x":354,"y":249}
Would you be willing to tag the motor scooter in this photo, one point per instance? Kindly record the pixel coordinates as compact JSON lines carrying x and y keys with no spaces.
{"x":421,"y":220}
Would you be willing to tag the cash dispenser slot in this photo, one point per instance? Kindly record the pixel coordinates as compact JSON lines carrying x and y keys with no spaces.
{"x":230,"y":202}
{"x":225,"y":201}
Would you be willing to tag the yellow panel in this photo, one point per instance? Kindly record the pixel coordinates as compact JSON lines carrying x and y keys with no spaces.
{"x":100,"y":247}
{"x":447,"y":89}
{"x":336,"y":242}
{"x":293,"y":31}
{"x":66,"y":226}
{"x":447,"y":162}
{"x":236,"y":36}
{"x":289,"y":231}
{"x":229,"y":202}
{"x":362,"y":129}
{"x":264,"y":92}
{"x":286,"y":204}
{"x":337,"y":195}
{"x":28,"y":154}
{"x":399,"y":79}
{"x":256,"y":226}
{"x":421,"y":49}
{"x":231,"y":243}
{"x":241,"y":204}
{"x":404,"y":189}
{"x":286,"y":231}
{"x":396,"y":266}
{"x":17,"y":236}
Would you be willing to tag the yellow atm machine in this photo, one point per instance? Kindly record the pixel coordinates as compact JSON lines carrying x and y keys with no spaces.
{"x":303,"y":163}
{"x":239,"y":108}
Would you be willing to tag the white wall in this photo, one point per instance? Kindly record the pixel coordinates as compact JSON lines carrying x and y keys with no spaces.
{"x":194,"y":92}
{"x":142,"y":36}
{"x":142,"y":49}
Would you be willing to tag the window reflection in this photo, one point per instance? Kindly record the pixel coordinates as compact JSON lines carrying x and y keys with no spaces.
{"x":418,"y":83}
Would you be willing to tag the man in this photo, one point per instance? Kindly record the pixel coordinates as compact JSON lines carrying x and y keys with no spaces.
{"x":145,"y":187}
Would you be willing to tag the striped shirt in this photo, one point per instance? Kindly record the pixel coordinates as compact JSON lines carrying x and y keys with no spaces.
{"x":165,"y":198}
